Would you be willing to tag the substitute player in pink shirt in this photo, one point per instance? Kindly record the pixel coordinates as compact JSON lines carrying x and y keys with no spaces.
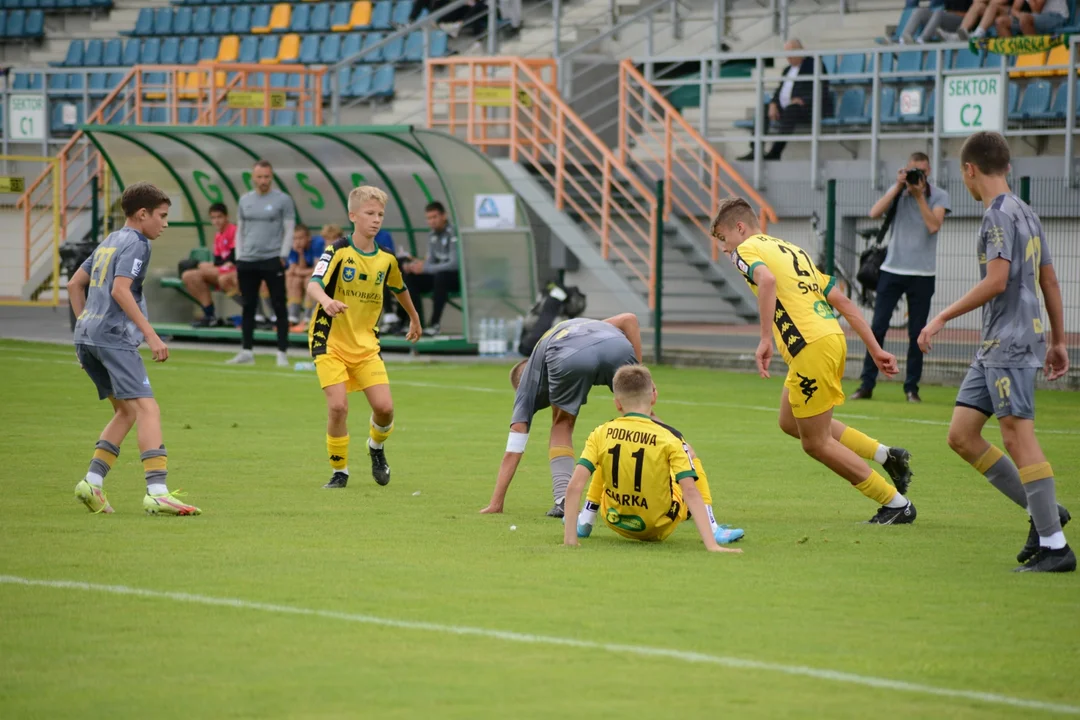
{"x":219,"y":274}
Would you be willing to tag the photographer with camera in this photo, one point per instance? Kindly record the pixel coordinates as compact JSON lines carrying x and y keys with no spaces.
{"x":916,"y":210}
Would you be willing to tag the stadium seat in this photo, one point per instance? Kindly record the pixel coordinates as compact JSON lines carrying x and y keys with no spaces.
{"x":132,"y":52}
{"x":241,"y":21}
{"x":853,"y":107}
{"x":360,"y":15}
{"x":320,"y":18}
{"x":268,"y":49}
{"x":283,"y":118}
{"x":249,"y":49}
{"x":183,"y":21}
{"x":309,"y":50}
{"x":289,"y":51}
{"x":887,"y":106}
{"x":98,"y":85}
{"x":339,"y":17}
{"x":829,"y":63}
{"x":208,"y":49}
{"x":439,"y":44}
{"x":219,"y":24}
{"x":144,"y":23}
{"x":113,"y":52}
{"x":95,"y":49}
{"x":189,"y":51}
{"x":151,"y":51}
{"x":343,"y":77}
{"x":260,"y":20}
{"x":278,"y":81}
{"x":163,"y":18}
{"x":3,"y":23}
{"x":850,"y":65}
{"x":1058,"y":56}
{"x":301,"y":19}
{"x":394,"y":52}
{"x":330,"y":49}
{"x":57,"y":117}
{"x":360,"y":85}
{"x":383,"y":83}
{"x":370,"y":40}
{"x":75,"y":53}
{"x":380,"y":17}
{"x":401,"y":13}
{"x":351,"y":45}
{"x":35,"y":24}
{"x":75,"y":82}
{"x":57,"y":81}
{"x":1035,"y":102}
{"x":155,"y":115}
{"x":1058,"y":107}
{"x":200,"y":21}
{"x":966,"y":60}
{"x":170,"y":51}
{"x":909,"y":61}
{"x":1025,"y":63}
{"x":186,"y":115}
{"x":229,"y":49}
{"x":280,"y":18}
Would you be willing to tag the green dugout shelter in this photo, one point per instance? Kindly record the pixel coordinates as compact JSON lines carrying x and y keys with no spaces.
{"x":317,"y":167}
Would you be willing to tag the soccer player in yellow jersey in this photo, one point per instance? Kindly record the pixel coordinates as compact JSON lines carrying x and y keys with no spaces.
{"x":648,"y":475}
{"x":348,"y":285}
{"x":796,"y":305}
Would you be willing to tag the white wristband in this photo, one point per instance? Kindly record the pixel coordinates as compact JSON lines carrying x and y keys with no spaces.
{"x":515,"y":443}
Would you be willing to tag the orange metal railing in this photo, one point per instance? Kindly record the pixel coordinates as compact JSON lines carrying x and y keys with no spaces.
{"x":507,"y":105}
{"x":660,"y":142}
{"x":164,"y":95}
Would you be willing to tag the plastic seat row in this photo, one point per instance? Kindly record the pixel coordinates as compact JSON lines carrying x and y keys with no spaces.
{"x":363,"y":81}
{"x":55,"y":5}
{"x":265,"y":19}
{"x":22,"y":24}
{"x":152,"y":51}
{"x":924,"y":63}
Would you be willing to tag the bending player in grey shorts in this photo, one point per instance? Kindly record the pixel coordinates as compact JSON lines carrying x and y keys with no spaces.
{"x":569,"y":360}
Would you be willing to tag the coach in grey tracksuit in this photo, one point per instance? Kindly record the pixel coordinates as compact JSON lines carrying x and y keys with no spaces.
{"x":264,"y":229}
{"x":438,"y":273}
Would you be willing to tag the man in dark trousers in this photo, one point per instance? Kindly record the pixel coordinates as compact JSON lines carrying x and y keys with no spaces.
{"x":909,"y":267}
{"x":438,"y":272}
{"x":265,"y":221}
{"x":792,"y":103}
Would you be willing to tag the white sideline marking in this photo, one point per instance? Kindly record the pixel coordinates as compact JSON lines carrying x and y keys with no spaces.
{"x":216,"y":367}
{"x":514,"y":637}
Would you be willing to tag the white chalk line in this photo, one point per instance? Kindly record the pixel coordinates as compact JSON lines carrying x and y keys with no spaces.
{"x":215,"y":367}
{"x":526,"y":638}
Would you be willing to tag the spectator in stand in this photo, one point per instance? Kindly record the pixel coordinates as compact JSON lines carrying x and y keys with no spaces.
{"x":943,"y":16}
{"x":300,"y":265}
{"x":1033,"y":17}
{"x":792,"y":103}
{"x":979,"y":18}
{"x":219,"y":274}
{"x":438,"y":272}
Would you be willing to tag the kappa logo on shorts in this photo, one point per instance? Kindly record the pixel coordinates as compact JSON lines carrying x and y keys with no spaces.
{"x":348,"y":274}
{"x":808,"y":386}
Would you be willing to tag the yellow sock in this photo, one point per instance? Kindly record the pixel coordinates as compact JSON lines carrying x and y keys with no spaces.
{"x":378,"y":433}
{"x":859,"y":443}
{"x":338,"y":450}
{"x":875,"y":488}
{"x":987,"y":459}
{"x":703,"y":482}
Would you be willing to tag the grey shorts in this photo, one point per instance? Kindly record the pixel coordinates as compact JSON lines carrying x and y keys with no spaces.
{"x":115,"y":372}
{"x":999,"y":391}
{"x":571,"y":378}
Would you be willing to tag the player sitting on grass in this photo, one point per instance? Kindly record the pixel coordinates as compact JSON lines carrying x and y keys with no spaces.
{"x":795,"y":304}
{"x":566,"y":363}
{"x":649,"y":480}
{"x":106,"y":295}
{"x":1014,"y":262}
{"x":347,"y":286}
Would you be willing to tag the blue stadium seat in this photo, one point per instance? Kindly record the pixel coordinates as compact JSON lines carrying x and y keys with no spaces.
{"x":1035,"y":103}
{"x":330,"y":50}
{"x":183,"y":21}
{"x":35,"y":24}
{"x":351,"y":45}
{"x":284,"y":118}
{"x":163,"y":18}
{"x":95,"y":49}
{"x":3,"y":23}
{"x":1014,"y":98}
{"x":186,"y":115}
{"x":208,"y":50}
{"x":75,"y":82}
{"x":966,"y":60}
{"x":16,"y":24}
{"x":320,"y":18}
{"x":887,"y":60}
{"x":260,"y":16}
{"x":151,"y":51}
{"x":343,"y":77}
{"x":268,"y":47}
{"x":414,"y":47}
{"x":309,"y":50}
{"x":370,"y":40}
{"x":909,"y":61}
{"x":75,"y":53}
{"x":300,"y":22}
{"x":98,"y":84}
{"x":360,"y":85}
{"x":170,"y":51}
{"x":394,"y":52}
{"x":219,"y":21}
{"x":829,"y":63}
{"x":440,"y":44}
{"x":57,"y":81}
{"x":383,"y":83}
{"x":144,"y":24}
{"x":115,"y":79}
{"x":200,"y":22}
{"x":930,"y":64}
{"x":21,"y":81}
{"x":114,"y":51}
{"x":852,"y":108}
{"x":278,"y":80}
{"x":849,"y":65}
{"x":339,"y":14}
{"x":887,"y":107}
{"x":1058,"y":107}
{"x":189,"y":51}
{"x":241,"y":21}
{"x":132,"y":52}
{"x":249,"y":49}
{"x":380,"y":17}
{"x":155,"y":115}
{"x":402,"y":10}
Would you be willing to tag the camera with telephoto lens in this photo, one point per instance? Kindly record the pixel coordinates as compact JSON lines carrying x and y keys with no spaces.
{"x":914,"y":176}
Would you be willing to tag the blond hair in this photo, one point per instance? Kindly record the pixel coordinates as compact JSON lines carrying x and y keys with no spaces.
{"x":732,"y":210}
{"x":363,"y":194}
{"x":633,"y":384}
{"x":331,"y":232}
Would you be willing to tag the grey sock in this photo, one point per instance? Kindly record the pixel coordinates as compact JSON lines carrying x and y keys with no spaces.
{"x":1006,"y":478}
{"x":98,"y":466}
{"x":562,"y":468}
{"x":296,"y":310}
{"x":155,"y":476}
{"x":1043,"y":507}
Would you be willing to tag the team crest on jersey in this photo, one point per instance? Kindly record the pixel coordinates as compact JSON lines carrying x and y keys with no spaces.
{"x":348,"y":274}
{"x":379,"y":278}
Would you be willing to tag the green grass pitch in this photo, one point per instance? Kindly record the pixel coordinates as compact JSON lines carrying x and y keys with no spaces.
{"x":815,"y":594}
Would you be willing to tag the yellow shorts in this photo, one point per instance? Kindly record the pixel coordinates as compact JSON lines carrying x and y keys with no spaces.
{"x":332,"y":370}
{"x":814,"y":375}
{"x":651,"y":529}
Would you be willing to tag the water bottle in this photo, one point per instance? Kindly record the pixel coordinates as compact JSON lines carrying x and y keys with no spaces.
{"x":304,"y":366}
{"x":484,"y":336}
{"x":501,"y":339}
